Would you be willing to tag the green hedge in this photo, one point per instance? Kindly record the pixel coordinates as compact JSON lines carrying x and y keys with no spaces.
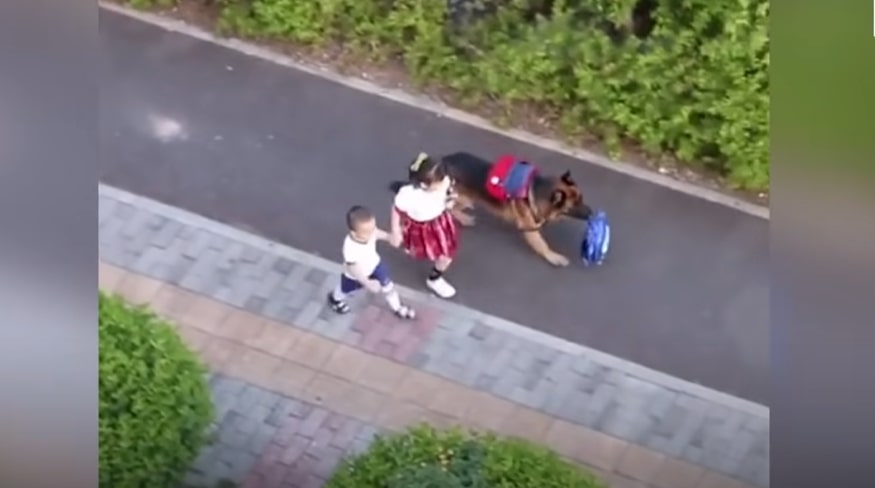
{"x":155,"y":403}
{"x":685,"y":77}
{"x":696,"y":85}
{"x":423,"y":457}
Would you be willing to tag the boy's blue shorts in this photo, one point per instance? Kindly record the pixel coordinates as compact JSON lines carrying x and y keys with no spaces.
{"x":380,"y":273}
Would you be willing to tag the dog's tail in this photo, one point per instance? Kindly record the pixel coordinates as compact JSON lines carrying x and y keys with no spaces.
{"x":396,"y":185}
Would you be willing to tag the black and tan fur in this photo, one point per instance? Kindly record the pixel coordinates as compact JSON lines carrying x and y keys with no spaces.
{"x":551,"y":198}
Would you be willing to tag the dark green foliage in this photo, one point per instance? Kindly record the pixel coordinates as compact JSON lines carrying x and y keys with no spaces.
{"x":424,"y":457}
{"x":686,"y":77}
{"x":155,"y":403}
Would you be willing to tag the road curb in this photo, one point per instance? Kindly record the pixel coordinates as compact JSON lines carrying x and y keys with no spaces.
{"x":441,"y":110}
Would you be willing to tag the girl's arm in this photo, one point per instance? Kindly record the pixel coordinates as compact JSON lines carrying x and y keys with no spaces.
{"x":395,"y":237}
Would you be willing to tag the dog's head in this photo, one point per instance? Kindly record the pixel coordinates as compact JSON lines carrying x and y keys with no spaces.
{"x":566,"y":199}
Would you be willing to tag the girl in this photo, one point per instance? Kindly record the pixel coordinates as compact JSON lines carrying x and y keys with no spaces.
{"x":422,"y":222}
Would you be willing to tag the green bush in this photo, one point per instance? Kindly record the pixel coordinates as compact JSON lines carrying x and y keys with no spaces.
{"x":155,"y":403}
{"x":685,"y":77}
{"x":694,"y":82}
{"x":424,"y":457}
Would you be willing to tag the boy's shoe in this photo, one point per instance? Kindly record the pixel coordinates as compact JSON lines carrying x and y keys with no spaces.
{"x":441,"y":287}
{"x":339,"y":306}
{"x":405,"y":312}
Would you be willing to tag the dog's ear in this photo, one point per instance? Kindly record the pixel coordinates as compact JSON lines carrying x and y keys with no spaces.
{"x":557,"y":198}
{"x":566,"y":178}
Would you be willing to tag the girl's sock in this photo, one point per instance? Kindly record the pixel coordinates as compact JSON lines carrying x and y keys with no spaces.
{"x":435,"y":274}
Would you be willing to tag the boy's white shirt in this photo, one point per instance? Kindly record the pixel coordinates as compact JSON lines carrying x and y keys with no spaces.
{"x":360,"y":259}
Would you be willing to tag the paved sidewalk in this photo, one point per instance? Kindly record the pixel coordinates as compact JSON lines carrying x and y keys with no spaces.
{"x":254,"y":310}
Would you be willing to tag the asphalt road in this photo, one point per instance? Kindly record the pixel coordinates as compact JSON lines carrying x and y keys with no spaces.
{"x":284,"y":154}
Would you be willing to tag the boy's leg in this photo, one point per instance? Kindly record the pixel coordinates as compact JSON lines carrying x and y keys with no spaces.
{"x":337,"y":298}
{"x":381,"y":274}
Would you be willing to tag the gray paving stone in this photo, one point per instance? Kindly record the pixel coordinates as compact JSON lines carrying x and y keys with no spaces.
{"x":318,"y":277}
{"x":357,"y":447}
{"x":485,"y":382}
{"x":756,"y":470}
{"x":462,"y":352}
{"x":457,"y":325}
{"x":532,"y":399}
{"x":151,"y":258}
{"x":680,"y":439}
{"x":480,"y":331}
{"x":297,"y":277}
{"x":367,"y":433}
{"x":522,"y":359}
{"x":171,"y":273}
{"x":507,"y":383}
{"x":261,"y":396}
{"x":276,"y":302}
{"x":261,"y":438}
{"x":269,"y":282}
{"x":337,"y":327}
{"x":255,"y":304}
{"x":124,"y":210}
{"x":627,"y":425}
{"x":234,"y":438}
{"x":715,"y":455}
{"x":279,"y":413}
{"x":576,"y":410}
{"x":671,"y":421}
{"x":534,"y":374}
{"x":166,"y":234}
{"x":107,"y":234}
{"x":283,"y":266}
{"x":500,"y":362}
{"x":200,"y":276}
{"x":239,"y":461}
{"x":230,"y":257}
{"x":419,"y":360}
{"x":445,"y":369}
{"x":496,"y":340}
{"x":302,"y":295}
{"x":105,"y":209}
{"x":251,"y":255}
{"x":308,"y":315}
{"x":260,"y":412}
{"x":660,"y":403}
{"x":198,"y":244}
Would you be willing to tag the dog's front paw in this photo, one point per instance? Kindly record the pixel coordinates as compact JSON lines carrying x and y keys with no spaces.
{"x":558,"y":260}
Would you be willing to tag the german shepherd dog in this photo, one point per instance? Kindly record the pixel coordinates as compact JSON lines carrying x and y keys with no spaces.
{"x":549,"y":199}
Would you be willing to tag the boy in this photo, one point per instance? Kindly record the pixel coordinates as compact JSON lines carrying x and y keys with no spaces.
{"x":362,"y":267}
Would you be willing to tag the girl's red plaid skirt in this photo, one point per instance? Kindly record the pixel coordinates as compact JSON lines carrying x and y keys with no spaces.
{"x":430,"y":240}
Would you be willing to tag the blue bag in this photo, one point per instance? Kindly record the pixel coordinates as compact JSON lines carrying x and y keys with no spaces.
{"x":597,"y":240}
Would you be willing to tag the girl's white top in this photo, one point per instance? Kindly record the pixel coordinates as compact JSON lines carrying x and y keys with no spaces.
{"x":424,"y":205}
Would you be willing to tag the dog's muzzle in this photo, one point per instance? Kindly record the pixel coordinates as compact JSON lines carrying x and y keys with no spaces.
{"x":580,"y":212}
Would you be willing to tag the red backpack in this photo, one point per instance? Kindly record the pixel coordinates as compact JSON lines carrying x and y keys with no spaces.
{"x":510,"y":178}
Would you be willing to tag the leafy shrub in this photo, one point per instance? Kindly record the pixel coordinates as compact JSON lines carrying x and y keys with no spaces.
{"x":685,"y":76}
{"x":424,"y":457}
{"x":155,"y":403}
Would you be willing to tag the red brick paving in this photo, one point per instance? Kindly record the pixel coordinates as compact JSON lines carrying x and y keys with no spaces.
{"x":305,"y":451}
{"x":385,"y":335}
